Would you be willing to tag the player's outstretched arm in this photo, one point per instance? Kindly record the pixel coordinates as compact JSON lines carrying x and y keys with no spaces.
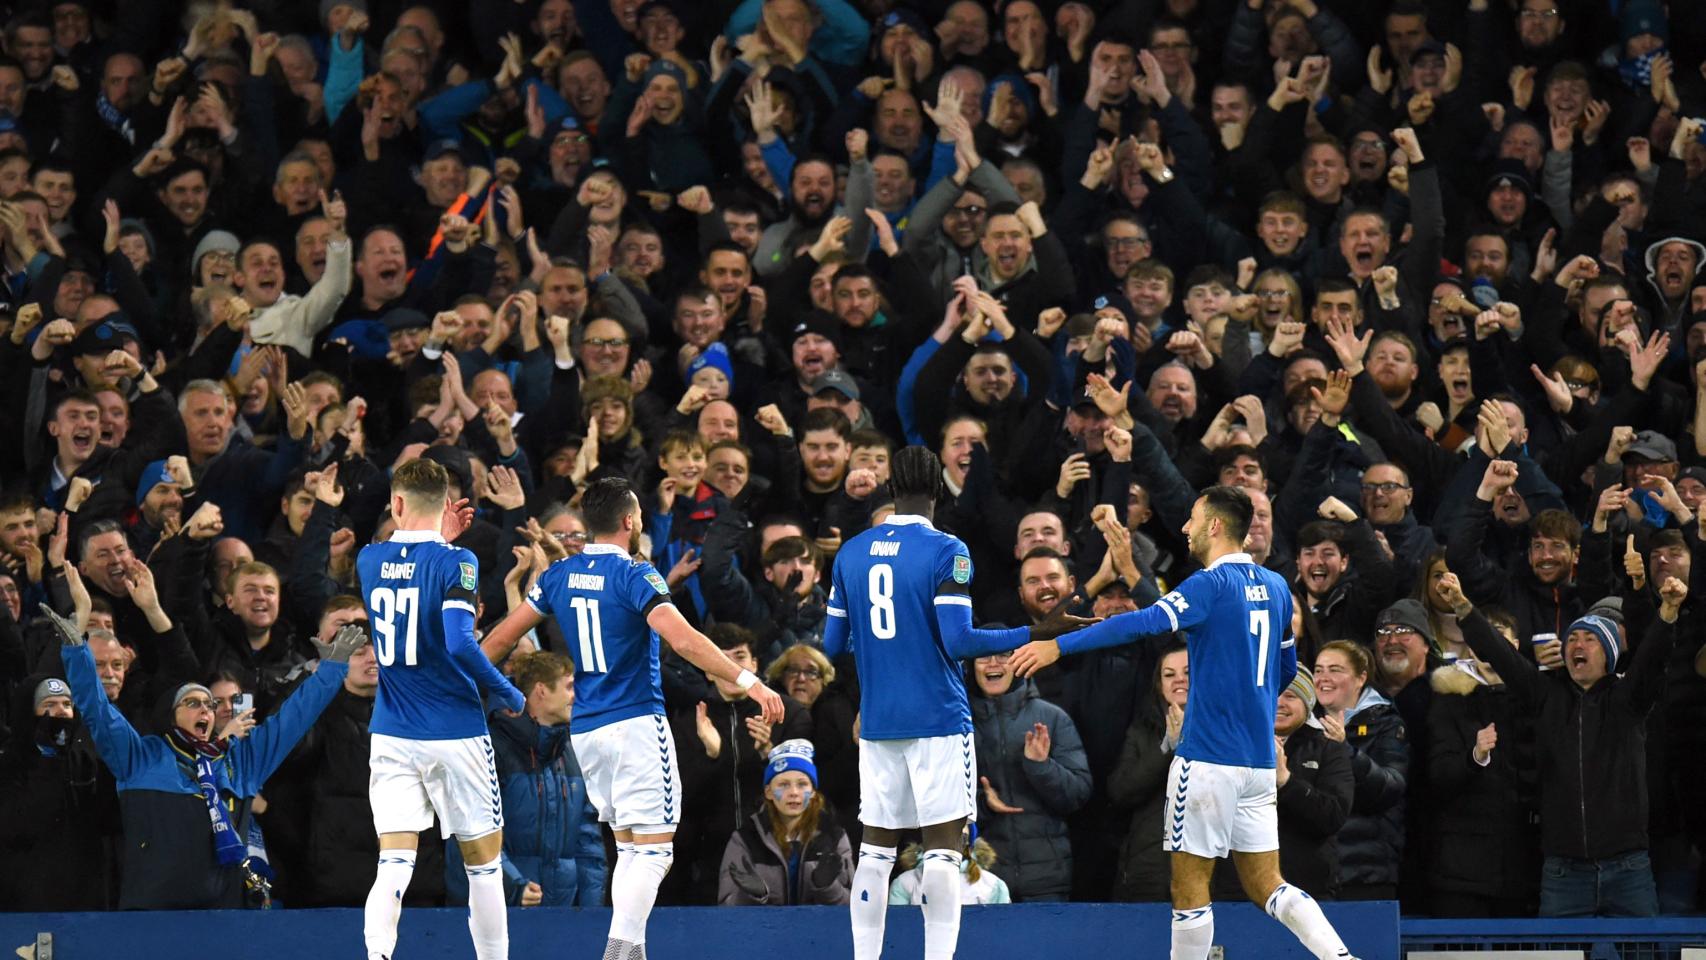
{"x":502,"y":640}
{"x":1081,"y":634}
{"x":697,"y":649}
{"x":964,"y":641}
{"x":460,"y":644}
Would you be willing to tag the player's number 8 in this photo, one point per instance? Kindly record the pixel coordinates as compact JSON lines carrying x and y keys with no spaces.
{"x":881,"y":589}
{"x":388,"y":607}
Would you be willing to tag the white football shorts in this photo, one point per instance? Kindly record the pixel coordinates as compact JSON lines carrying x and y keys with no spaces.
{"x":1213,"y":809}
{"x":410,"y":780}
{"x":632,"y":777}
{"x":905,"y":784}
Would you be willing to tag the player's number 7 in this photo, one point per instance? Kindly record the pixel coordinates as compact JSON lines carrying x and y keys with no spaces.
{"x":1259,"y":629}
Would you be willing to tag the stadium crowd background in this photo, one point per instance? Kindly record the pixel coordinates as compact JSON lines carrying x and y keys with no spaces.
{"x":1098,"y":255}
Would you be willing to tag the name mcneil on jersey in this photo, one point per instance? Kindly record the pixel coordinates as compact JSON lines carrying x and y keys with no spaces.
{"x":586,"y":581}
{"x":396,"y":571}
{"x":885,"y":548}
{"x":1256,"y":593}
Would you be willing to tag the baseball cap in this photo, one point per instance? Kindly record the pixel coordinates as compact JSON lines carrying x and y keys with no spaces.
{"x":836,"y":380}
{"x":1654,"y":446}
{"x":103,"y":337}
{"x":403,"y":318}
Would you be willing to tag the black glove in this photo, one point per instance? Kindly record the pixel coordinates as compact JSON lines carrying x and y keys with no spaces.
{"x":746,"y":879}
{"x":827,"y":871}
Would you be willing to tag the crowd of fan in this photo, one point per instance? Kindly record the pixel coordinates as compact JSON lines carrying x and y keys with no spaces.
{"x":1420,"y":275}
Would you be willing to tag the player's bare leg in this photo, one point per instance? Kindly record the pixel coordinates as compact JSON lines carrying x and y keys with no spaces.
{"x":643,"y":859}
{"x":868,"y":902}
{"x":941,"y":887}
{"x":488,"y":915}
{"x":385,"y":899}
{"x":1260,"y":875}
{"x":1193,"y":913}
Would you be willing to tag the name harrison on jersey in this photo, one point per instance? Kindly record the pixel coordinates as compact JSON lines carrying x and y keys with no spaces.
{"x":586,"y":581}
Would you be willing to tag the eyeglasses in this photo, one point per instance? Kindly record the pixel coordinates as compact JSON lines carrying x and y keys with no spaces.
{"x":1376,"y":144}
{"x":1126,"y":243}
{"x":1581,"y":384}
{"x":1388,"y":487}
{"x":802,"y":673}
{"x":611,"y":344}
{"x":1170,"y":47}
{"x":1273,"y":294}
{"x":220,"y":256}
{"x":1539,"y":14}
{"x":569,"y":537}
{"x":198,"y":703}
{"x":970,"y":210}
{"x":1393,"y":631}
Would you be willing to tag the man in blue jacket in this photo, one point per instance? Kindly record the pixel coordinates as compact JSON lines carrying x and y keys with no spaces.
{"x":171,"y":788}
{"x":553,"y":853}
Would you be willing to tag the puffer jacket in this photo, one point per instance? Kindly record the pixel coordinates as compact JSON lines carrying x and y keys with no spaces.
{"x":551,"y":834}
{"x":1139,"y":784}
{"x":1371,"y":843}
{"x":755,"y":870}
{"x":1591,"y":743}
{"x":1033,"y":846}
{"x":58,"y":816}
{"x":1485,"y":840}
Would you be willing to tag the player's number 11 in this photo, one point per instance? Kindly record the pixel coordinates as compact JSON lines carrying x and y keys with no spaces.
{"x":592,"y":634}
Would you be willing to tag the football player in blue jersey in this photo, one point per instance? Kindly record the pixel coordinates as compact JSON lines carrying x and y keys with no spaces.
{"x":612,"y":610}
{"x":901,"y":600}
{"x":431,"y":752}
{"x":1236,"y":617}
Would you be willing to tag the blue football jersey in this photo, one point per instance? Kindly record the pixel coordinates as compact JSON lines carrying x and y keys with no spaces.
{"x":886,"y":583}
{"x":1236,"y":617}
{"x":407,"y":582}
{"x":601,"y":598}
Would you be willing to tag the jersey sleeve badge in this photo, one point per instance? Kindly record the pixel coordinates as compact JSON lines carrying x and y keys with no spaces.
{"x":470,"y":579}
{"x":962,"y":568}
{"x":658,"y":583}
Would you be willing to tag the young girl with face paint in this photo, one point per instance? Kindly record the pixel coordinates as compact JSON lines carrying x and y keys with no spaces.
{"x":791,"y":851}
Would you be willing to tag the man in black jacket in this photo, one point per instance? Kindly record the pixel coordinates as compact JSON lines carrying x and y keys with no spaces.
{"x":1591,"y":727}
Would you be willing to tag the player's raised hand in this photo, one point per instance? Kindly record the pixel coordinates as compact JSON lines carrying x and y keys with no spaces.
{"x":769,"y":702}
{"x":1059,"y":622}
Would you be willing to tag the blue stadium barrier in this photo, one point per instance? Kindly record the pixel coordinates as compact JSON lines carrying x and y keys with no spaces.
{"x":1604,"y":938}
{"x":1027,"y":931}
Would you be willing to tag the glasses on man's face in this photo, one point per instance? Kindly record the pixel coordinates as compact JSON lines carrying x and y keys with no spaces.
{"x":1127,"y":243}
{"x":970,"y":210}
{"x":1376,"y":145}
{"x":199,"y":703}
{"x":1546,"y":14}
{"x":1388,"y":487}
{"x":1580,"y":384}
{"x":613,"y":343}
{"x":802,"y":673}
{"x":576,"y":537}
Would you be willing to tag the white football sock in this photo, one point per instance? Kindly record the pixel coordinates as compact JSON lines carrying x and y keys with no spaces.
{"x":1303,"y":917}
{"x":869,"y":900}
{"x":385,"y":902}
{"x":941,"y":887}
{"x":1193,"y":933}
{"x":488,"y":915}
{"x":635,"y":890}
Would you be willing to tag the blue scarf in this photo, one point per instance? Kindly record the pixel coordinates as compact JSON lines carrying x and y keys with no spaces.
{"x":1637,"y":72}
{"x":118,"y":122}
{"x":227,"y":845}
